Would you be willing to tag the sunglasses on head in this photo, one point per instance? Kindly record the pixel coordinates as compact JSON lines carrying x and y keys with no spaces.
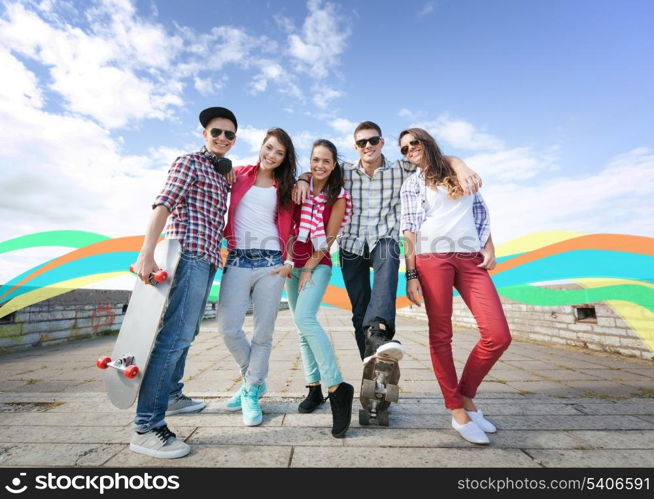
{"x":373,"y":141}
{"x":413,"y":143}
{"x":215,"y":133}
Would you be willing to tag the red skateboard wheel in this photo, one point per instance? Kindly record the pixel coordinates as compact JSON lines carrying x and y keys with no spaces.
{"x":160,"y":275}
{"x":131,"y":269}
{"x":102,"y":362}
{"x":131,"y":372}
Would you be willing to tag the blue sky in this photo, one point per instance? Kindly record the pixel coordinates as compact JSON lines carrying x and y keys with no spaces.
{"x":552,"y":102}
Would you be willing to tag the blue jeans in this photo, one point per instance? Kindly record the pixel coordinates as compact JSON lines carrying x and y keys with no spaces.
{"x":379,"y":301}
{"x":180,"y":325}
{"x":317,"y":352}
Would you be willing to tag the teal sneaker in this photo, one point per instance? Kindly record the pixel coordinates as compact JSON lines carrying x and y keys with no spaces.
{"x":252,"y":415}
{"x":234,"y":404}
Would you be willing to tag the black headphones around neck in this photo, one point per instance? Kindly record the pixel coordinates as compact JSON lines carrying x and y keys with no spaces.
{"x":221,"y":165}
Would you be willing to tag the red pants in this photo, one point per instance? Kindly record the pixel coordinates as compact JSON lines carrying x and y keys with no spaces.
{"x":439,"y":272}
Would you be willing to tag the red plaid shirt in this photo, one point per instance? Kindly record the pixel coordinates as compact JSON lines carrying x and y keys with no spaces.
{"x":196,"y":196}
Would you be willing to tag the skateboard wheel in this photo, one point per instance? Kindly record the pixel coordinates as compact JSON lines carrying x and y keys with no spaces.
{"x":368,"y":389}
{"x":131,"y":269}
{"x":364,"y":417}
{"x":131,"y":372}
{"x":102,"y":362}
{"x":392,"y":393}
{"x":382,"y":418}
{"x":160,"y":275}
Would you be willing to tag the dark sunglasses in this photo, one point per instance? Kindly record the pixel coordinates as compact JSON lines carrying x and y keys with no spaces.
{"x":215,"y":133}
{"x":373,"y":141}
{"x":413,"y":143}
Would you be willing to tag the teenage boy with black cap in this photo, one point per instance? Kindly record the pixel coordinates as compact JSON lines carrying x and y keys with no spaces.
{"x":194,"y":201}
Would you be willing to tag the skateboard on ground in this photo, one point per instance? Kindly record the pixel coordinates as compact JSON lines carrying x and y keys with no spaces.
{"x":378,"y":389}
{"x":138,"y":332}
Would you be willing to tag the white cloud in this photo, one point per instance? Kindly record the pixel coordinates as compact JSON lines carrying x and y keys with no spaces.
{"x":515,"y":164}
{"x":616,"y":199}
{"x":427,"y":9}
{"x":343,"y":125}
{"x":323,"y":95}
{"x":461,"y":134}
{"x":323,"y":39}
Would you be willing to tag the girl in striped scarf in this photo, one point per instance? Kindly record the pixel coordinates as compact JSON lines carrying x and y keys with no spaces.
{"x":317,"y":221}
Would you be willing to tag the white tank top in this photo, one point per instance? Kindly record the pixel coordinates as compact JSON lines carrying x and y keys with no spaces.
{"x":255,"y":224}
{"x":449,"y":224}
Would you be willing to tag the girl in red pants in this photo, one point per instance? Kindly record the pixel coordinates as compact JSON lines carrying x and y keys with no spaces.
{"x":448,"y":244}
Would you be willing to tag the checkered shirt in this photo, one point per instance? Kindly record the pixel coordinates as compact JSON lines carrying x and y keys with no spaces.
{"x":413,"y":197}
{"x":376,"y":204}
{"x":196,"y":196}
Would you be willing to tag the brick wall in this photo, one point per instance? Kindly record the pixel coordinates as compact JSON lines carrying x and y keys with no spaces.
{"x":606,"y":332}
{"x":74,"y":315}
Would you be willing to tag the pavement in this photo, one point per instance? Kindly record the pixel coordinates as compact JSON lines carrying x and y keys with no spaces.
{"x":553,"y":407}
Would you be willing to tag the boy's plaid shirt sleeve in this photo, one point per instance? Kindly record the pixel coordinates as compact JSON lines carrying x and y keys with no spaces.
{"x":482,"y":219}
{"x":180,"y":178}
{"x":413,"y":213}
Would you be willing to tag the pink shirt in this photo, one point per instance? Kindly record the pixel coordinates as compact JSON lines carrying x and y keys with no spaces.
{"x":246,"y":176}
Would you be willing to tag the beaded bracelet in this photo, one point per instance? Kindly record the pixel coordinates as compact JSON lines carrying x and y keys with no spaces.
{"x":411,"y":274}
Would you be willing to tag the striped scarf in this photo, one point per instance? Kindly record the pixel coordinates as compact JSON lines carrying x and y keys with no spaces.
{"x":311,"y":217}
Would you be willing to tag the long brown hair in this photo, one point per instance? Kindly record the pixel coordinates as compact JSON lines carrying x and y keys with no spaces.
{"x":335,"y":180}
{"x":436,"y":168}
{"x":284,"y":174}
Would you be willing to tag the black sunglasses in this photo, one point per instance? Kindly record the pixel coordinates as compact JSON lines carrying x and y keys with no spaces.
{"x":373,"y":141}
{"x":215,"y":133}
{"x":413,"y":143}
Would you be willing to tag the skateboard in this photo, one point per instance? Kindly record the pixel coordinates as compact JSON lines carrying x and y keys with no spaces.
{"x":126,"y":366}
{"x":378,"y":389}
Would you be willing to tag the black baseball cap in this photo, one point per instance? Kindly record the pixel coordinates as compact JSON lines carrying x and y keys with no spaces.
{"x":217,"y":112}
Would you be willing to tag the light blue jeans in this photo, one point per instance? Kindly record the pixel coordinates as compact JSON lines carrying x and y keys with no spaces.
{"x":180,"y":325}
{"x":317,"y":352}
{"x":247,"y":278}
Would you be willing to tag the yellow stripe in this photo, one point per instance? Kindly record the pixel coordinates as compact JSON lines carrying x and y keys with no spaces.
{"x":32,"y":297}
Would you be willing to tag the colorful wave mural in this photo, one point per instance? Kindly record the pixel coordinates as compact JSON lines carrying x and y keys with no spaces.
{"x":616,"y":269}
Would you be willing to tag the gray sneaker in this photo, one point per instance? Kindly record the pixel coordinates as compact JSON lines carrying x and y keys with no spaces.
{"x":184,"y":404}
{"x":160,"y":442}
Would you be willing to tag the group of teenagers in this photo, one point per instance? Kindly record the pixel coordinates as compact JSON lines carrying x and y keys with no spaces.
{"x":279,"y":229}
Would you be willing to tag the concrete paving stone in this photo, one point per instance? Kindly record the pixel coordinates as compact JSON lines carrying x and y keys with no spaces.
{"x":210,"y":456}
{"x":74,"y":434}
{"x":56,"y":419}
{"x":397,"y":419}
{"x":266,"y":436}
{"x":647,"y":418}
{"x":643,"y":407}
{"x":526,"y":408}
{"x":91,"y":406}
{"x":625,"y":439}
{"x":604,"y":388}
{"x":201,"y":419}
{"x":420,"y":374}
{"x":643,"y":371}
{"x":545,"y":387}
{"x":380,"y":436}
{"x":612,"y":374}
{"x":49,"y":454}
{"x":568,"y":375}
{"x":347,"y":457}
{"x":490,"y":386}
{"x":506,"y":374}
{"x":530,"y":365}
{"x":12,"y":386}
{"x":613,"y":458}
{"x":407,"y":386}
{"x":534,"y":439}
{"x":576,"y":422}
{"x":44,"y":386}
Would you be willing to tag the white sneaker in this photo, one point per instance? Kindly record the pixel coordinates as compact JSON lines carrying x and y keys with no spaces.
{"x":393,"y":349}
{"x":471,"y":432}
{"x":160,"y":442}
{"x":482,"y":422}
